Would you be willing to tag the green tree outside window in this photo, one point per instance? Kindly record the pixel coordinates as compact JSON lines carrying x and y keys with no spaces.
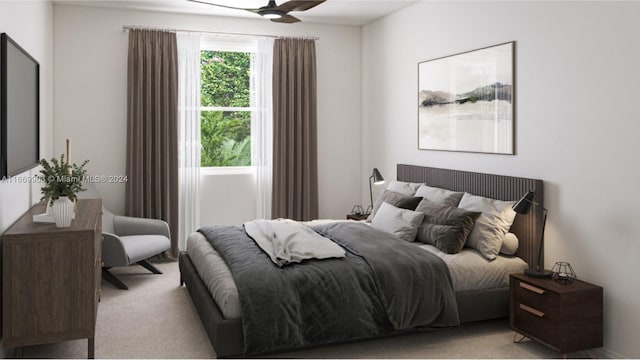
{"x":226,"y":117}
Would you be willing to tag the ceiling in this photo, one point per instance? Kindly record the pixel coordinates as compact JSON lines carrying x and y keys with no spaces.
{"x":338,"y":12}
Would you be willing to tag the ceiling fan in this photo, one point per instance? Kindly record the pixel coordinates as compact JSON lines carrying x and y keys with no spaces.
{"x":273,"y":11}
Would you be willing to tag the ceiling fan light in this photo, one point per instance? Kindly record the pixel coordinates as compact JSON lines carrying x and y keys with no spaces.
{"x":271,"y":14}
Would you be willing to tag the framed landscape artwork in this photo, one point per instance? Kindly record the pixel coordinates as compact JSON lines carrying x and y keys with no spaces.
{"x":466,"y":101}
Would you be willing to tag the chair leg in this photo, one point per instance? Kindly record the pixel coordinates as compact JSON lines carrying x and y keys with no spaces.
{"x":147,"y":265}
{"x":109,"y":277}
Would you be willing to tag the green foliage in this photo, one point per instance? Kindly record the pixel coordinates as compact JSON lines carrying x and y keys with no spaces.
{"x":225,"y":78}
{"x":220,"y":127}
{"x":236,"y":153}
{"x":61,"y":179}
{"x":225,"y":135}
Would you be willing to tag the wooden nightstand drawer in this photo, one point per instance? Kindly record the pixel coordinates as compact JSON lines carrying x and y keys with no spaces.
{"x":532,"y":320}
{"x":536,"y":297}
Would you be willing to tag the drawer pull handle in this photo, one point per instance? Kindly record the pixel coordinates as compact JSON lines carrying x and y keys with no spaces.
{"x":531,"y":288}
{"x":531,"y":310}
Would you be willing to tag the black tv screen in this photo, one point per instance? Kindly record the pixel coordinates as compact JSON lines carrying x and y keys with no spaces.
{"x":19,"y":109}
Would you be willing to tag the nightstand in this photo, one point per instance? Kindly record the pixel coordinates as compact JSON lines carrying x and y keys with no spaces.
{"x":358,"y":217}
{"x":564,"y":317}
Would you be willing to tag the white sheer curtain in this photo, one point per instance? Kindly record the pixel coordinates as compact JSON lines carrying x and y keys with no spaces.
{"x":188,"y":135}
{"x":262,"y":125}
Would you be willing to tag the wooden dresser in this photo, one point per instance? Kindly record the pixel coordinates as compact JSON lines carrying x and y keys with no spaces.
{"x":51,"y":278}
{"x":565,"y":317}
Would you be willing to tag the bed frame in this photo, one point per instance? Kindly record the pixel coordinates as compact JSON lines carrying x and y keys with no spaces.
{"x":226,"y":334}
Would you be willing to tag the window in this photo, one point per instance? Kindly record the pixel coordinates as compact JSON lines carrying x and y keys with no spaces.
{"x":225,"y":105}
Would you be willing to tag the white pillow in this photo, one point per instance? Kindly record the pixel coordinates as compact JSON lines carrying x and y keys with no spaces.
{"x":400,"y":222}
{"x":405,"y":188}
{"x":495,"y":221}
{"x":510,"y":244}
{"x":439,"y":195}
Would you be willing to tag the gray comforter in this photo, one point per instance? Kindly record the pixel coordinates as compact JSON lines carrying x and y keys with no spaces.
{"x":382,"y":285}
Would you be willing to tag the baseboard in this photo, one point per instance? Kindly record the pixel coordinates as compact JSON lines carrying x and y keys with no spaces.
{"x":604,"y":353}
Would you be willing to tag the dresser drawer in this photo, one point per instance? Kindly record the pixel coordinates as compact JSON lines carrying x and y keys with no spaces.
{"x":49,"y":278}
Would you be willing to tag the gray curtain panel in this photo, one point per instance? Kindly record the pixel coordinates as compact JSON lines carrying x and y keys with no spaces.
{"x":295,"y":150}
{"x":152,"y":128}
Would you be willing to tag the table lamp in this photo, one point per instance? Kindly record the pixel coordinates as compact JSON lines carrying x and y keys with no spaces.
{"x":522,"y":207}
{"x":377,"y":179}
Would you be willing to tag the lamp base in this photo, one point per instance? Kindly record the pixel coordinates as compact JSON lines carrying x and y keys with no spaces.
{"x":538,"y":274}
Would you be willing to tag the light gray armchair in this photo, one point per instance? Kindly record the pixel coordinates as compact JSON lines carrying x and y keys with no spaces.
{"x":128,"y":240}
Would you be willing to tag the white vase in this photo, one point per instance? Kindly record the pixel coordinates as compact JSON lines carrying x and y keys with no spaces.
{"x":63,"y":212}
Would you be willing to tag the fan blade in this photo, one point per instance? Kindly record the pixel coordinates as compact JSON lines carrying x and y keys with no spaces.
{"x":287,"y":19}
{"x":224,"y":6}
{"x":299,"y":5}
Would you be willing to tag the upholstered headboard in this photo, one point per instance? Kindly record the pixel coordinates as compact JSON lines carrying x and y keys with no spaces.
{"x":527,"y":227}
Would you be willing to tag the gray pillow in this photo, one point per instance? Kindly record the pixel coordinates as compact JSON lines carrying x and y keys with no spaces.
{"x":495,"y":221}
{"x":446,"y":227}
{"x":400,"y":222}
{"x":396,"y":199}
{"x":439,"y":195}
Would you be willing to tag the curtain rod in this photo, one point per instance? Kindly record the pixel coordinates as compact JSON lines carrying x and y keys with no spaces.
{"x":126,"y":28}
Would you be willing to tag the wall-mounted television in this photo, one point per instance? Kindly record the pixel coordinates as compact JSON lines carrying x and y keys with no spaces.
{"x":19,"y":109}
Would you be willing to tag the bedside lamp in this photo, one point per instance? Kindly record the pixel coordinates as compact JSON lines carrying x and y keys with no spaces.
{"x":377,"y":179}
{"x":522,"y":207}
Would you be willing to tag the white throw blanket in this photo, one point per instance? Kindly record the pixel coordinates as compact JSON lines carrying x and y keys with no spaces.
{"x":287,"y":241}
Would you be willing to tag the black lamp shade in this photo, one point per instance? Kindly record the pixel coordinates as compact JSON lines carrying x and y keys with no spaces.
{"x":377,"y":177}
{"x":524,"y":204}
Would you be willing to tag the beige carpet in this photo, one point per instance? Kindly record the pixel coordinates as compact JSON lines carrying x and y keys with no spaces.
{"x":156,"y":319}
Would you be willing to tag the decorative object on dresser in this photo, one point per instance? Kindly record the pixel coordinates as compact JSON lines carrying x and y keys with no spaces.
{"x":51,"y":278}
{"x":465,"y":101}
{"x":564,"y":317}
{"x":563,"y":273}
{"x":377,"y":179}
{"x":522,"y":207}
{"x":62,"y":181}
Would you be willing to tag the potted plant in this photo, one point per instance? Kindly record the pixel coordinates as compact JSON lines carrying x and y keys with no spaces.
{"x":62,"y":182}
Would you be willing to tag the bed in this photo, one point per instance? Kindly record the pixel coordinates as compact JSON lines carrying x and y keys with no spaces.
{"x":226,"y":332}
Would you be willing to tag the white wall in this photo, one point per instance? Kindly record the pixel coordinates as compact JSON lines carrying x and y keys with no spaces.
{"x":90,"y":52}
{"x":227,"y":199}
{"x":577,"y":124}
{"x":29,"y":23}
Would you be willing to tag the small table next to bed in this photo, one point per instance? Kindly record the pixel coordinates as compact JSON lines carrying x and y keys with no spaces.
{"x":357,"y":217}
{"x":564,"y":317}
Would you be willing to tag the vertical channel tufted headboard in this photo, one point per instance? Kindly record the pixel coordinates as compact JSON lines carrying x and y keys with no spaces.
{"x":527,"y":227}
